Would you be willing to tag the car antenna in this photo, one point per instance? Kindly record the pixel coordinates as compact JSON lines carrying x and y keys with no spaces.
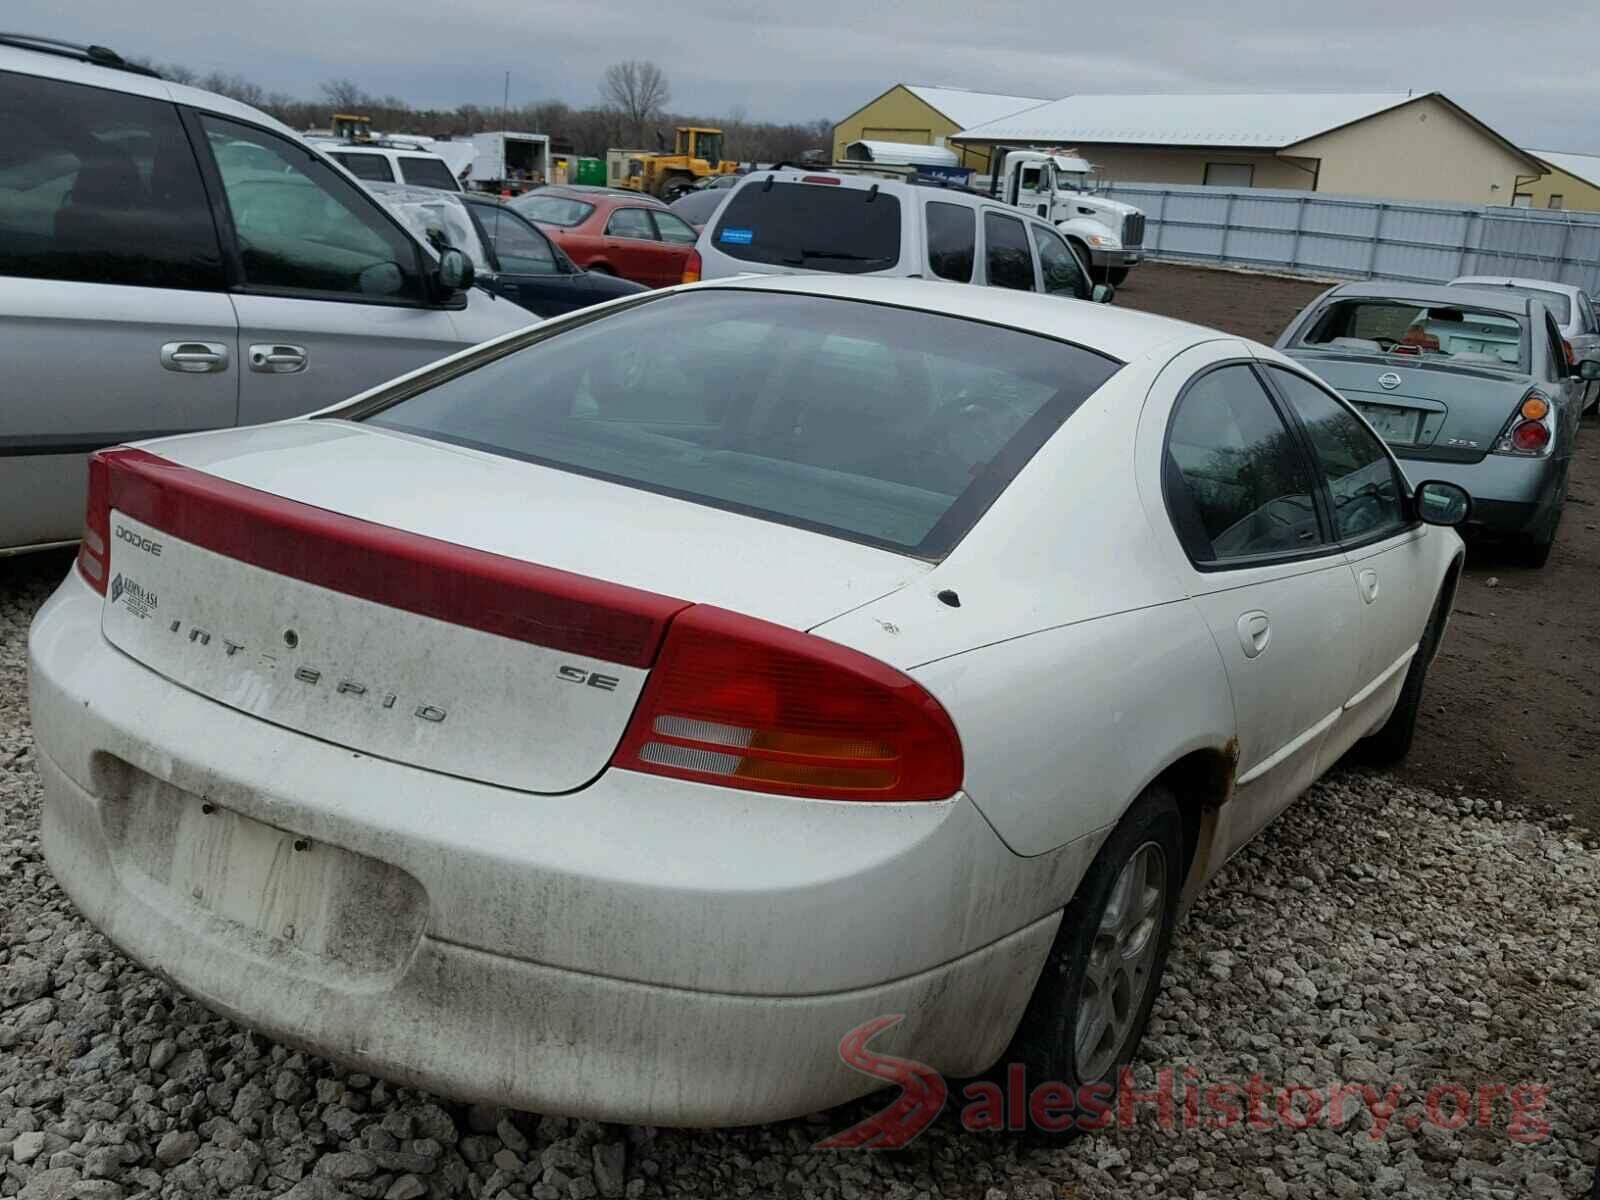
{"x":872,"y":193}
{"x":767,"y":186}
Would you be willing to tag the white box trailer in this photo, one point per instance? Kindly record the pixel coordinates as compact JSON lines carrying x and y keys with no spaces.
{"x":508,"y":159}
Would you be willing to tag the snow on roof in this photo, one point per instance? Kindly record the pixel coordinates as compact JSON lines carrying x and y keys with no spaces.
{"x":902,"y":154}
{"x":1268,"y":121}
{"x":967,"y":108}
{"x":1584,"y":166}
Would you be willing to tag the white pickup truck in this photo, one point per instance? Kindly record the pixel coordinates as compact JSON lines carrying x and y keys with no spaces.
{"x":1054,"y":185}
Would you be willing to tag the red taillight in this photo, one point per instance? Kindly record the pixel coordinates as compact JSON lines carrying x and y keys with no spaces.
{"x":691,"y":268}
{"x":94,"y":551}
{"x":818,"y":179}
{"x":448,"y":582}
{"x":741,"y":702}
{"x":1530,"y":436}
{"x":1572,"y":358}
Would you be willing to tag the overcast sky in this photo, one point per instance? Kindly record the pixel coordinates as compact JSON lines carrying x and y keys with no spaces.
{"x":1530,"y":70}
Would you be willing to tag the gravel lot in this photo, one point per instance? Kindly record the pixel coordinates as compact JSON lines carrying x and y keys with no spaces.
{"x":1378,"y":934}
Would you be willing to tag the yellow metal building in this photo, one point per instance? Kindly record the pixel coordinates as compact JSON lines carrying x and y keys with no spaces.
{"x":927,"y":115}
{"x":1573,"y":182}
{"x":1398,"y":146}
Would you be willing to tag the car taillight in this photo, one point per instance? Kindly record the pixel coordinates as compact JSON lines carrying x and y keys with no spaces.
{"x":740,"y":702}
{"x":94,"y":551}
{"x":1530,"y":437}
{"x":691,"y":268}
{"x":1572,"y":358}
{"x":819,"y":179}
{"x":1529,"y":429}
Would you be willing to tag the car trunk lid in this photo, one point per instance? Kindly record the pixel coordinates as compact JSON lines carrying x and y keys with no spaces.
{"x":1453,"y":412}
{"x":479,"y":617}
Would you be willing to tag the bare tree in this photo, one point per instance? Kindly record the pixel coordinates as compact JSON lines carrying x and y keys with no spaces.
{"x":638,"y":90}
{"x":345,"y":95}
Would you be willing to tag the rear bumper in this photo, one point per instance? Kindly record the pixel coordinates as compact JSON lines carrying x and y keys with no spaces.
{"x":641,"y":950}
{"x":1509,"y":495}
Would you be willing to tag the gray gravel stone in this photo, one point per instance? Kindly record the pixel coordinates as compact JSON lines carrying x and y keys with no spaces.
{"x":177,"y":1146}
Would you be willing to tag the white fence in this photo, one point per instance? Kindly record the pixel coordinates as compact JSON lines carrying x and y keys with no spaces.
{"x":1308,"y":233}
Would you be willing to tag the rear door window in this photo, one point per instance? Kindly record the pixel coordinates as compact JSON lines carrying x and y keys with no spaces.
{"x":1237,"y":483}
{"x":1007,"y":257}
{"x":671,"y":229}
{"x":374,"y":168}
{"x":100,"y":187}
{"x":1367,"y":488}
{"x":952,"y":240}
{"x":824,"y":227}
{"x":428,"y":172}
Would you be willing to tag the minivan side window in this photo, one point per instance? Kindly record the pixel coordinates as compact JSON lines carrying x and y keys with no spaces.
{"x":1006,"y":255}
{"x":1062,"y":272}
{"x":952,"y":240}
{"x":428,"y":172}
{"x":302,"y":227}
{"x":374,"y":168}
{"x":101,"y":187}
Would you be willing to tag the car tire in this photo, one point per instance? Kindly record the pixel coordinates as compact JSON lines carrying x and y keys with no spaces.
{"x":1533,"y":550}
{"x":1117,"y":276}
{"x":1392,"y":740}
{"x":1092,"y":1000}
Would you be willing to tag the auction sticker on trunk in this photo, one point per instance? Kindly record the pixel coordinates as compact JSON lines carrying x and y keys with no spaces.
{"x":138,"y":600}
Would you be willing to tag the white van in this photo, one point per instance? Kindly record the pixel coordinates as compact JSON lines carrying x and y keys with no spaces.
{"x":171,"y":260}
{"x":795,"y":222}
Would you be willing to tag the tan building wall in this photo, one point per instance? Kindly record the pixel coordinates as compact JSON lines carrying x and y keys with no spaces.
{"x":1576,"y":194}
{"x":900,"y":116}
{"x":1136,"y":164}
{"x":1425,"y":150}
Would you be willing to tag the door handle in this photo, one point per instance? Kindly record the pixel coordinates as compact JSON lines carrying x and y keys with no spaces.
{"x":1369,"y":584}
{"x":270,"y":358}
{"x":1255,"y":631}
{"x":194,"y":358}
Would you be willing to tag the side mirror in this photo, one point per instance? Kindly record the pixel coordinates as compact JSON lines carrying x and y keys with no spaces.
{"x":455,"y":271}
{"x":1589,"y":369}
{"x":1442,"y":503}
{"x":1103,"y":293}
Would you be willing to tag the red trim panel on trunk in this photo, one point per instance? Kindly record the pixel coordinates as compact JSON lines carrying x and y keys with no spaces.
{"x":408,"y":571}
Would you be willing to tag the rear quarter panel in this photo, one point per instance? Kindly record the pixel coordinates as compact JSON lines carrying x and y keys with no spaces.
{"x":1076,"y":668}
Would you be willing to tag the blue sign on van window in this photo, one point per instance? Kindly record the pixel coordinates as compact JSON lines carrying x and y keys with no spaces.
{"x":739,"y":237}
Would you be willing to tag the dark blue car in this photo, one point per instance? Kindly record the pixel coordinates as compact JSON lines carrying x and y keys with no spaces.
{"x":513,"y":257}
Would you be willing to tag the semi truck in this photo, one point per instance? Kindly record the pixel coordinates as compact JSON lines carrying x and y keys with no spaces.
{"x":1056,"y":185}
{"x":505,"y":160}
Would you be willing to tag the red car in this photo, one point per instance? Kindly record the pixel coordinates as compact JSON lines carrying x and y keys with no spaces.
{"x":613,"y":232}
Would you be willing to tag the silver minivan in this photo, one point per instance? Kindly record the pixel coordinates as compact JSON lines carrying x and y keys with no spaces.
{"x":171,"y":260}
{"x":790,"y":222}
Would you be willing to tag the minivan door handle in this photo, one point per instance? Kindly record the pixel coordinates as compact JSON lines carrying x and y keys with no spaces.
{"x":194,"y":358}
{"x":1255,"y":631}
{"x":271,"y":358}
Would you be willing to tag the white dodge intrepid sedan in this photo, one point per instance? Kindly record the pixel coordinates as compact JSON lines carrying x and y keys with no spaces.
{"x":611,"y":718}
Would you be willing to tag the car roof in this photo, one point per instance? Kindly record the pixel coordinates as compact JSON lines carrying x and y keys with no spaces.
{"x":1122,"y":333}
{"x":115,"y":79}
{"x":601,"y":200}
{"x":407,"y":193}
{"x":1490,"y":282}
{"x":1428,"y":294}
{"x":329,"y":147}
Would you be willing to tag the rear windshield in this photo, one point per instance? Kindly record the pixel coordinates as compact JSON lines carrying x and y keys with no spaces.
{"x":428,"y":172}
{"x":880,"y":425}
{"x":1463,"y":336}
{"x":553,"y":210}
{"x":1557,"y":302}
{"x":374,"y":167}
{"x":821,"y":226}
